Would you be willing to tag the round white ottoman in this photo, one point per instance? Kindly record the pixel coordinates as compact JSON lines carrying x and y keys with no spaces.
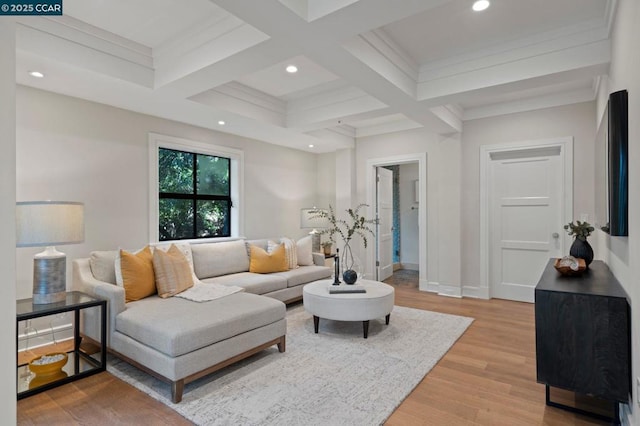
{"x":377,"y":302}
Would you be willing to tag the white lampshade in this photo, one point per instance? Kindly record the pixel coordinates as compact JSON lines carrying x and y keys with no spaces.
{"x":49,"y":223}
{"x":309,"y":219}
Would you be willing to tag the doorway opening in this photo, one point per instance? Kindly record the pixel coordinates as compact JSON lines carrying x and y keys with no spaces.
{"x":405,"y":230}
{"x":408,"y":214}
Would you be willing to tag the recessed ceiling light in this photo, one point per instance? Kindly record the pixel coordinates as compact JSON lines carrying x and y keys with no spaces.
{"x":291,"y":69}
{"x":311,"y":145}
{"x":221,"y":122}
{"x":36,"y":74}
{"x":480,"y":5}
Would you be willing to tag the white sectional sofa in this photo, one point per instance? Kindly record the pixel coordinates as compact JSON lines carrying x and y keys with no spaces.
{"x":178,"y":340}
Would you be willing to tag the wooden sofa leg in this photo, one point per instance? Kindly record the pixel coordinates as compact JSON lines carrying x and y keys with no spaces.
{"x":282,"y":344}
{"x":176,"y":390}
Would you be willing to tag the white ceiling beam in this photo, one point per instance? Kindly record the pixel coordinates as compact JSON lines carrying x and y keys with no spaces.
{"x":317,"y":42}
{"x":243,"y":100}
{"x":232,"y":37}
{"x":95,"y":53}
{"x":327,"y":108}
{"x":247,"y":61}
{"x":275,"y":19}
{"x":359,"y":74}
{"x":104,"y":89}
{"x":336,"y":137}
{"x":588,"y":60}
{"x":390,"y":127}
{"x":371,"y":49}
{"x":530,"y":104}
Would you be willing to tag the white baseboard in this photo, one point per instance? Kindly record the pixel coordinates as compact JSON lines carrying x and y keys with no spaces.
{"x":475,"y":292}
{"x":449,"y":290}
{"x":626,"y":414}
{"x":410,"y":266}
{"x":430,"y":286}
{"x":44,"y":337}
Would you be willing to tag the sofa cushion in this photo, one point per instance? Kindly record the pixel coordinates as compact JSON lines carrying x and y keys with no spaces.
{"x":103,"y":265}
{"x":185,"y":249}
{"x":152,"y":321}
{"x":118,"y":266}
{"x":290,"y":250}
{"x":215,"y":259}
{"x":172,"y":271}
{"x":252,"y":283}
{"x":304,"y":275}
{"x":265,"y":263}
{"x":304,"y":251}
{"x":263,"y":244}
{"x":138,"y":278}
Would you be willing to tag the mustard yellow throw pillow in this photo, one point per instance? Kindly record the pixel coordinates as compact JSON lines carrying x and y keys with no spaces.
{"x":138,"y":279}
{"x":172,"y":270}
{"x":264,"y":263}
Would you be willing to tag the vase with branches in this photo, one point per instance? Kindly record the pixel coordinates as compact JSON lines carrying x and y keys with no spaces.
{"x":346,"y":229}
{"x":580,"y":247}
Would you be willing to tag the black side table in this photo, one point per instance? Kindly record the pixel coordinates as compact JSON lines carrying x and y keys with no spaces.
{"x":80,"y":363}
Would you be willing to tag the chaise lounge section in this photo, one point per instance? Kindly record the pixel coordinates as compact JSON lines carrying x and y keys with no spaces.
{"x":178,"y":340}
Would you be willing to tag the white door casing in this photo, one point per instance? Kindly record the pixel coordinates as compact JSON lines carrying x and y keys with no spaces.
{"x":427,"y":214}
{"x":384,"y":234}
{"x":526,"y":197}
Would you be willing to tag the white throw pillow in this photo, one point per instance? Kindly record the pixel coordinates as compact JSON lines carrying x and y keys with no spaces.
{"x":304,"y":252}
{"x":103,"y":265}
{"x":291,"y":252}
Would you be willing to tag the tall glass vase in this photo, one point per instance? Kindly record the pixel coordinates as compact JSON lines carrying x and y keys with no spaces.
{"x":351,"y":266}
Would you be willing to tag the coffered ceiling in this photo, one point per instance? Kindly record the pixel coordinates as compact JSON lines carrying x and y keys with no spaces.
{"x":365,"y":67}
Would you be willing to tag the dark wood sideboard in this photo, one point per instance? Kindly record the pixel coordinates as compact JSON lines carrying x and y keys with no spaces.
{"x":583,"y":340}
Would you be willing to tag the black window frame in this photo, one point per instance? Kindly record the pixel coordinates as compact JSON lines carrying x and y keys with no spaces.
{"x":195,"y":197}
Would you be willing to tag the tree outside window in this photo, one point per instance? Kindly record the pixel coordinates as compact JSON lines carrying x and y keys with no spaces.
{"x":194,"y":192}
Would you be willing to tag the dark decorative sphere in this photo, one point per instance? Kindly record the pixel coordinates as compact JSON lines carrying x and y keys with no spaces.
{"x":349,"y":276}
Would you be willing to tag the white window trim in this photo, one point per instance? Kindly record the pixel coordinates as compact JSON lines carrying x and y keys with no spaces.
{"x":157,"y":141}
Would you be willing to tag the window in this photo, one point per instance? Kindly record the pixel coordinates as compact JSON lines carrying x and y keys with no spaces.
{"x":195,"y":188}
{"x":195,"y":195}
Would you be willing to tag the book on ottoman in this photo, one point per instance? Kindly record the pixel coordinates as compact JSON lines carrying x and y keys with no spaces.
{"x":346,"y":288}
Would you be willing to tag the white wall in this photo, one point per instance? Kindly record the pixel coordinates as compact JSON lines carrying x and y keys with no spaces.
{"x":326,"y":183}
{"x":7,"y":213}
{"x":572,"y":120}
{"x":71,"y":149}
{"x":408,"y":175}
{"x":441,"y":190}
{"x":623,"y":254}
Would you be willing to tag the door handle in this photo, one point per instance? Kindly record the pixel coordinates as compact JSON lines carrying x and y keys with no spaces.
{"x":555,"y":235}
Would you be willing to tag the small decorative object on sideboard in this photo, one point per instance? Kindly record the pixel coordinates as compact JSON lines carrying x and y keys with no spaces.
{"x":580,"y":247}
{"x":570,"y":265}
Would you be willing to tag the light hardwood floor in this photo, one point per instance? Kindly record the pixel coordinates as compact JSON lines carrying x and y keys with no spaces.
{"x":487,"y":378}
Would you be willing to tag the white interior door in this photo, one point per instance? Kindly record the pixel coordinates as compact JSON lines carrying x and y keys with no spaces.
{"x":384,"y":208}
{"x":525,"y":219}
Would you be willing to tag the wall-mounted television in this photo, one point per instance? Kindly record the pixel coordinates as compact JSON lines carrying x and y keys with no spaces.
{"x":618,"y":164}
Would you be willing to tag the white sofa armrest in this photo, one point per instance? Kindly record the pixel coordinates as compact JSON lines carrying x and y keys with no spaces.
{"x":84,"y":281}
{"x":318,"y":259}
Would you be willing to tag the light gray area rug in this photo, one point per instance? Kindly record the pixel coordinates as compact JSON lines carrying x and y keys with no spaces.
{"x":335,"y":377}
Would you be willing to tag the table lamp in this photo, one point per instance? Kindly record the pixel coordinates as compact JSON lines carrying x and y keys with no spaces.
{"x":309,"y":220}
{"x":48,"y":224}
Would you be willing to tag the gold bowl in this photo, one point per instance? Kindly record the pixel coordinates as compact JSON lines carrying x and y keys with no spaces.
{"x":48,"y":368}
